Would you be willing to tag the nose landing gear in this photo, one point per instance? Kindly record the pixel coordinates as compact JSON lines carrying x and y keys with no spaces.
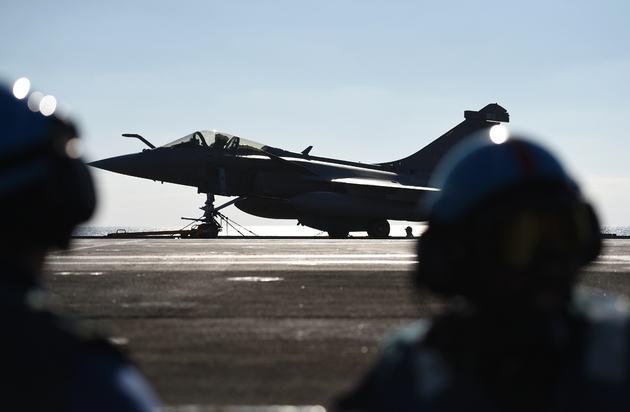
{"x":210,"y":226}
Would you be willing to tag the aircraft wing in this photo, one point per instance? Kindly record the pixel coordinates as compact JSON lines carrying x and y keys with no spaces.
{"x":358,"y":181}
{"x":385,"y":189}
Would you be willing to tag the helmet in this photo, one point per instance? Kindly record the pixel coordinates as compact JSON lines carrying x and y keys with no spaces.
{"x":504,"y":210}
{"x":45,"y":190}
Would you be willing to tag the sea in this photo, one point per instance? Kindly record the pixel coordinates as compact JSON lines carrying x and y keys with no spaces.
{"x":397,"y":230}
{"x":616,"y":230}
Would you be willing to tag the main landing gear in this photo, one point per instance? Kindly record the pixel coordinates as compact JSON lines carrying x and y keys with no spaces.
{"x":378,"y":228}
{"x":338,"y":234}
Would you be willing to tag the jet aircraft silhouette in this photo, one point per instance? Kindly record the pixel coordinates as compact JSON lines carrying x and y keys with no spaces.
{"x":331,"y":195}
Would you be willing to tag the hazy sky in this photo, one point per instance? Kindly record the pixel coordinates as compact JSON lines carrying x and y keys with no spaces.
{"x":360,"y":80}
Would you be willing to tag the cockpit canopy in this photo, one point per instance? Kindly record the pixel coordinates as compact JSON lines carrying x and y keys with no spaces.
{"x":218,"y":141}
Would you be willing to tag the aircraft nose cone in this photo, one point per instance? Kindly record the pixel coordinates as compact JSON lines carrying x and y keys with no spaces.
{"x":133,"y":165}
{"x":159,"y":165}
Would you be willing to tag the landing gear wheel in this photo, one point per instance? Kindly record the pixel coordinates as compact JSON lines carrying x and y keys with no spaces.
{"x":337,"y":234}
{"x":208,"y":231}
{"x":378,"y":228}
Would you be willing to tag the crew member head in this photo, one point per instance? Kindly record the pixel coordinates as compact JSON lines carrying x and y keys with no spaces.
{"x":508,"y":228}
{"x":45,"y":189}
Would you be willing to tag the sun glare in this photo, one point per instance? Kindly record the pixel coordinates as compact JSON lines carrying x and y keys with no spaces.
{"x":498,"y":134}
{"x":34,"y":99}
{"x":47,"y":105}
{"x":74,"y":148}
{"x":21,"y":87}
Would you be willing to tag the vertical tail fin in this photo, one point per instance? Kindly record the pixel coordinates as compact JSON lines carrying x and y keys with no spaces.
{"x":423,"y":162}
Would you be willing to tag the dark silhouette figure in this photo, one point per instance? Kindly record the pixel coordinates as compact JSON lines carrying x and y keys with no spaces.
{"x":409,"y":231}
{"x":507,"y":234}
{"x":47,"y":362}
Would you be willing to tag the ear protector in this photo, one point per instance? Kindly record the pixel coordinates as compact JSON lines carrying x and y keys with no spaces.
{"x":70,"y":192}
{"x":504,"y":238}
{"x":442,"y":258}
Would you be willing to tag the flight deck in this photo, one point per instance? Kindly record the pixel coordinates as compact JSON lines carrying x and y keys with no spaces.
{"x":217,"y":324}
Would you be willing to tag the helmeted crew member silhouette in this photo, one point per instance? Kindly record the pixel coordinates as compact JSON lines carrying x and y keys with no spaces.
{"x":507,"y":236}
{"x":47,"y":362}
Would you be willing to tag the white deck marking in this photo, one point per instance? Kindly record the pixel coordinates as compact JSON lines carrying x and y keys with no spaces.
{"x":255,"y":279}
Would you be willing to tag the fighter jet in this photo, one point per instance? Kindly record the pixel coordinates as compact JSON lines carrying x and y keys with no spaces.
{"x":330,"y":195}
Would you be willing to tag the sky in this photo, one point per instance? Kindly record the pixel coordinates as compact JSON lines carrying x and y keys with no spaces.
{"x":368,"y":81}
